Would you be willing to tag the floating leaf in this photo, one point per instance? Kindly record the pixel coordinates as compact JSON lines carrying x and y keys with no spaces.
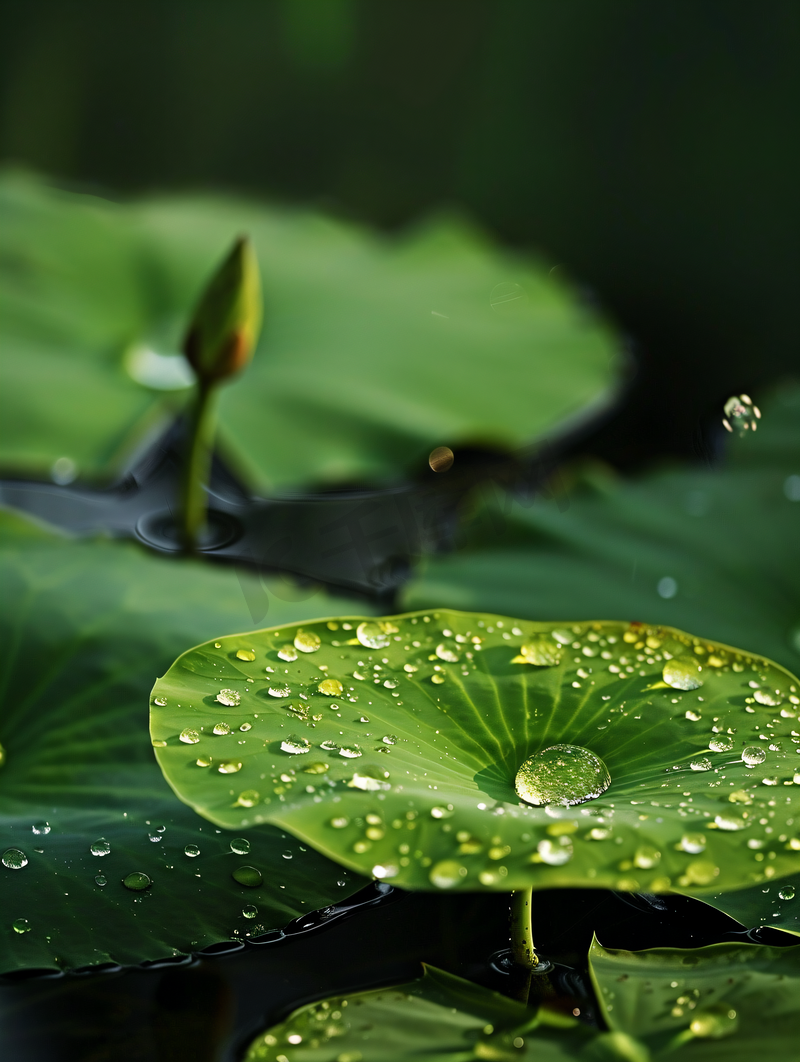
{"x":726,"y":1002}
{"x":442,"y":810}
{"x":374,"y":351}
{"x":85,"y":626}
{"x":437,"y":1016}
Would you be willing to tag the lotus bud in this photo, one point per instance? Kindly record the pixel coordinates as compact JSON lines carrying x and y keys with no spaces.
{"x":226,"y":322}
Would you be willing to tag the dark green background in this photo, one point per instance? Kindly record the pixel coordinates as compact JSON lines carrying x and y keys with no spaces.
{"x":648,"y":148}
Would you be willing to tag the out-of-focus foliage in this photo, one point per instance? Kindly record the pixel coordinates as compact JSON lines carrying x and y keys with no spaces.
{"x":372,"y":351}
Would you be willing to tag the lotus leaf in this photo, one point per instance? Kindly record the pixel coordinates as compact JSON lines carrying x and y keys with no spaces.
{"x":83,"y":806}
{"x":403,"y":738}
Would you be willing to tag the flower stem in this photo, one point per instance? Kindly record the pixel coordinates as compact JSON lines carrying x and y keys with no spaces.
{"x":522,"y":948}
{"x":196,"y":465}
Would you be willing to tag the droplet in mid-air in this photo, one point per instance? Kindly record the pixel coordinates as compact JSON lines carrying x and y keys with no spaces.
{"x":682,"y":674}
{"x":307,"y":641}
{"x":240,"y":846}
{"x":331,"y":687}
{"x":245,"y":654}
{"x":100,"y":847}
{"x":375,"y":634}
{"x":21,"y":925}
{"x":189,"y":736}
{"x":541,"y":652}
{"x":138,"y":881}
{"x":249,"y":876}
{"x":753,"y":755}
{"x":741,"y":415}
{"x":192,"y":851}
{"x":562,"y":774}
{"x":230,"y":698}
{"x":40,"y":828}
{"x":14,"y":859}
{"x":721,"y":743}
{"x":441,"y":459}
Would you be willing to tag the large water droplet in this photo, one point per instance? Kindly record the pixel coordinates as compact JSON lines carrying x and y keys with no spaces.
{"x":331,"y":687}
{"x":249,"y":876}
{"x":562,"y":774}
{"x":646,"y":857}
{"x":296,"y":746}
{"x":279,"y":691}
{"x":192,"y":851}
{"x":221,"y":729}
{"x":447,"y":654}
{"x":240,"y":846}
{"x":350,"y":752}
{"x":245,"y":654}
{"x":248,"y":798}
{"x":555,"y":853}
{"x":721,"y":743}
{"x":138,"y":881}
{"x":287,"y":653}
{"x":447,"y":873}
{"x":21,"y":925}
{"x":753,"y":755}
{"x":437,"y":678}
{"x":14,"y":859}
{"x":100,"y":847}
{"x":682,"y":674}
{"x":693,"y":843}
{"x":541,"y":652}
{"x":40,"y":828}
{"x":230,"y":767}
{"x":189,"y":736}
{"x":370,"y":779}
{"x":771,"y":700}
{"x":729,"y":822}
{"x":307,"y":641}
{"x":230,"y":698}
{"x":787,"y":892}
{"x":703,"y":764}
{"x":375,"y":635}
{"x":249,"y":911}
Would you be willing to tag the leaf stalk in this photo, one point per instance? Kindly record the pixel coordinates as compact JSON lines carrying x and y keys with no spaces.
{"x":197,"y":464}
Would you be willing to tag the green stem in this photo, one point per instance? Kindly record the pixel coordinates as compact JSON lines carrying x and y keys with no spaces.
{"x":523,"y":951}
{"x":196,"y":465}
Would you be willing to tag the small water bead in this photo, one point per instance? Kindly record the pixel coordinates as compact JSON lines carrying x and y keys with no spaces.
{"x":240,"y":846}
{"x":695,"y":717}
{"x":316,"y":768}
{"x":389,"y":739}
{"x":721,"y":743}
{"x":410,"y":668}
{"x":307,"y":641}
{"x":374,"y":634}
{"x":101,"y":847}
{"x":329,"y":745}
{"x":138,"y":881}
{"x":250,"y":911}
{"x":730,"y":823}
{"x":786,"y":893}
{"x":287,"y":854}
{"x":753,"y":755}
{"x":646,"y":857}
{"x":221,"y":729}
{"x":541,"y":652}
{"x":350,"y":752}
{"x":369,"y":779}
{"x":390,"y":684}
{"x":101,"y":880}
{"x":741,"y":415}
{"x":230,"y":698}
{"x":279,"y":691}
{"x":230,"y":767}
{"x":21,"y":925}
{"x":447,"y":873}
{"x":437,"y":678}
{"x":287,"y":653}
{"x":562,"y":774}
{"x":204,"y":761}
{"x":14,"y":859}
{"x":192,"y":851}
{"x":160,"y":701}
{"x":245,"y":727}
{"x":682,"y":673}
{"x":155,"y":837}
{"x":701,"y":765}
{"x":245,"y":654}
{"x":249,"y":876}
{"x":693,"y":843}
{"x":248,"y":799}
{"x":296,"y":746}
{"x":766,"y":698}
{"x":40,"y":828}
{"x":555,"y":853}
{"x":446,"y":654}
{"x":339,"y":822}
{"x":189,"y":736}
{"x":331,"y":687}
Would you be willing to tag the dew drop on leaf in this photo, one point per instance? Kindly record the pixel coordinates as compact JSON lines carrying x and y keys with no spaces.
{"x":249,"y":911}
{"x":787,"y":893}
{"x":100,"y":847}
{"x":646,"y":857}
{"x":316,"y":768}
{"x":192,"y":851}
{"x":562,"y":774}
{"x":14,"y":859}
{"x":331,"y":687}
{"x":230,"y":767}
{"x":447,"y":873}
{"x":230,"y":698}
{"x":279,"y":691}
{"x":721,"y":743}
{"x":138,"y":881}
{"x":753,"y":755}
{"x":682,"y":674}
{"x":249,"y":876}
{"x":555,"y":853}
{"x":693,"y":843}
{"x":437,"y":678}
{"x":701,"y":765}
{"x":287,"y":653}
{"x":296,"y":746}
{"x":21,"y":925}
{"x":221,"y":729}
{"x":374,"y":635}
{"x":189,"y":736}
{"x":101,"y":880}
{"x":204,"y":761}
{"x":714,"y":1023}
{"x":447,"y":654}
{"x":40,"y":828}
{"x":240,"y":846}
{"x":160,"y":701}
{"x":245,"y":654}
{"x":767,"y":698}
{"x":350,"y":752}
{"x":307,"y":641}
{"x":248,"y":799}
{"x":541,"y":652}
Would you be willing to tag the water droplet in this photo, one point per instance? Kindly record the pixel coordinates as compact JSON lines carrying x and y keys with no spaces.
{"x":767,"y":698}
{"x":701,"y":765}
{"x":296,"y":746}
{"x":287,"y":653}
{"x":410,"y":668}
{"x":562,"y":774}
{"x":437,"y":678}
{"x":447,"y":654}
{"x":100,"y":847}
{"x":158,"y":744}
{"x":508,"y":297}
{"x":316,"y":768}
{"x":329,"y":746}
{"x":386,"y":870}
{"x":331,"y":687}
{"x":279,"y":691}
{"x":667,"y":587}
{"x":350,"y":752}
{"x":192,"y":851}
{"x":248,"y":799}
{"x":160,"y":701}
{"x":287,"y":854}
{"x":339,"y":822}
{"x":307,"y":641}
{"x":138,"y":881}
{"x":204,"y":761}
{"x":714,"y":1022}
{"x":441,"y":459}
{"x":729,"y":822}
{"x":447,"y":873}
{"x":249,"y":911}
{"x":245,"y":654}
{"x":375,"y":635}
{"x":542,"y":652}
{"x":245,"y":727}
{"x":221,"y":729}
{"x":753,"y":755}
{"x":389,"y":739}
{"x":230,"y":767}
{"x":40,"y":828}
{"x":369,"y":779}
{"x":693,"y":843}
{"x":646,"y":857}
{"x":155,"y":837}
{"x":189,"y":736}
{"x":787,"y":892}
{"x":14,"y":859}
{"x":741,"y":415}
{"x":682,"y":674}
{"x":249,"y":876}
{"x":240,"y":846}
{"x":721,"y":743}
{"x":21,"y":925}
{"x":101,"y":880}
{"x":694,"y":716}
{"x":230,"y":698}
{"x":390,"y":684}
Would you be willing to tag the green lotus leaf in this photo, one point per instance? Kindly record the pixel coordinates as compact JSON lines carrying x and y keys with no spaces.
{"x":775,"y":903}
{"x":403,"y":738}
{"x":373,"y":351}
{"x":84,"y":627}
{"x":436,"y":1018}
{"x":726,"y":1002}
